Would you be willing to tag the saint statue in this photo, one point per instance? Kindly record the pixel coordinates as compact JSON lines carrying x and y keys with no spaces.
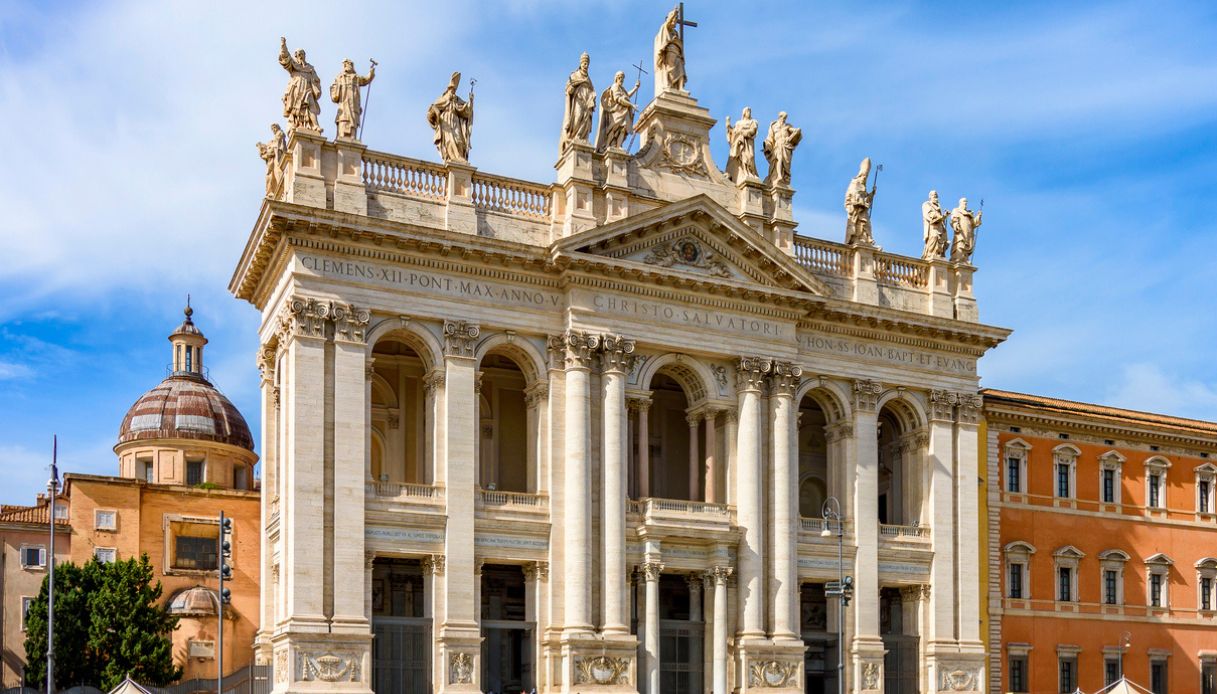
{"x":857,"y":208}
{"x":779,"y":148}
{"x":452,"y":119}
{"x":273,"y":153}
{"x":300,"y":106}
{"x":345,"y":92}
{"x":670,"y":54}
{"x":741,"y":147}
{"x":580,"y":104}
{"x":934,"y":228}
{"x":616,"y":114}
{"x":965,"y":222}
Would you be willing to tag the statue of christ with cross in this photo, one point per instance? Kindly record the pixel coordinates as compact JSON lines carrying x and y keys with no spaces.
{"x":670,"y":51}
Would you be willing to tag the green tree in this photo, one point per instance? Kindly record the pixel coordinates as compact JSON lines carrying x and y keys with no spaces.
{"x":107,"y":625}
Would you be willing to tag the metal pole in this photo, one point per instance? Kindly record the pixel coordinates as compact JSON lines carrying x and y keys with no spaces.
{"x":220,"y":601}
{"x":53,"y":488}
{"x":841,"y":607}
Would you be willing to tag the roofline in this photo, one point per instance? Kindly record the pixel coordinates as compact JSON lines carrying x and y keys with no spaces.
{"x":70,"y":477}
{"x":1011,"y":403}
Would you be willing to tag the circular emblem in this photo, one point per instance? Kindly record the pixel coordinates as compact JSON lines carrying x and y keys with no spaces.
{"x":688,"y":251}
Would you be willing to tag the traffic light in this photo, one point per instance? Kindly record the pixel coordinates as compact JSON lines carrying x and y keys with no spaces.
{"x":847,"y":589}
{"x":225,"y":555}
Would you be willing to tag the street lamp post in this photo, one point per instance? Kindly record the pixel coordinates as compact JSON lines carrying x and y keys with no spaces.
{"x":52,"y":487}
{"x":844,"y":588}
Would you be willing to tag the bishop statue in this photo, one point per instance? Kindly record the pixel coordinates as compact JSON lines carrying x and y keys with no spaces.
{"x":965,"y":222}
{"x":345,"y":92}
{"x":741,"y":147}
{"x":857,"y":208}
{"x":452,"y":119}
{"x":580,"y":104}
{"x":300,"y":106}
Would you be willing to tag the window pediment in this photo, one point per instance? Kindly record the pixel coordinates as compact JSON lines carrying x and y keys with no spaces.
{"x":1069,"y":552}
{"x":1158,"y":462}
{"x":1066,"y":453}
{"x":1205,"y":470}
{"x":1207,"y":563}
{"x":1113,"y":555}
{"x":1019,"y":547}
{"x":1112,"y":459}
{"x":1160,"y":559}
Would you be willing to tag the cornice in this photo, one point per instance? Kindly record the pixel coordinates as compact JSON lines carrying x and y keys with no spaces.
{"x":1055,"y":421}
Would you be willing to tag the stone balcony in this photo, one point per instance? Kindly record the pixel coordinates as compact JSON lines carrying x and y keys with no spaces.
{"x":406,"y":497}
{"x":512,"y":506}
{"x":347,"y":177}
{"x":678,"y":518}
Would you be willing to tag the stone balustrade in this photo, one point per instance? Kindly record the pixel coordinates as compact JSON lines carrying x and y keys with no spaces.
{"x":490,"y":497}
{"x":918,"y":533}
{"x":406,"y":490}
{"x":386,"y":172}
{"x":509,"y":196}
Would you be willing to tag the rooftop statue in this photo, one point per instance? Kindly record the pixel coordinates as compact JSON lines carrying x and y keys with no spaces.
{"x":670,"y":52}
{"x":345,"y":92}
{"x":857,"y":208}
{"x":452,"y":119}
{"x":580,"y":104}
{"x":965,"y":222}
{"x":300,"y":106}
{"x":779,"y":148}
{"x":934,"y":228}
{"x":741,"y":147}
{"x":616,"y":114}
{"x":272,"y":153}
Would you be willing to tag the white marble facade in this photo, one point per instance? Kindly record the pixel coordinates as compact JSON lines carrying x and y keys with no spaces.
{"x":636,"y":374}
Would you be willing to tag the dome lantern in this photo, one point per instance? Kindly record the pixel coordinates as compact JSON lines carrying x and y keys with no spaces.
{"x":188,"y":344}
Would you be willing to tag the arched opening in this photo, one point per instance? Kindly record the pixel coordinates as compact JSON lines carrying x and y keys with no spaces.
{"x":672,"y":451}
{"x":505,"y":427}
{"x":899,"y":488}
{"x":814,"y":483}
{"x":397,"y":445}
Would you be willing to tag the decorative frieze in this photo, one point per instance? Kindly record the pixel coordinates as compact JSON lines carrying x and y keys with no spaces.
{"x":616,"y":353}
{"x":460,"y":337}
{"x":866,"y":395}
{"x":774,"y":674}
{"x":750,"y":372}
{"x":784,"y":378}
{"x":602,"y":670}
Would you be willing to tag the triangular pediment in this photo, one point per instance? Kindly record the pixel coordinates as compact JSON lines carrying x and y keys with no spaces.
{"x":696,"y":238}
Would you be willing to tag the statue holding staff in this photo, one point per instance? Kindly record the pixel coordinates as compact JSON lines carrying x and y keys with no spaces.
{"x":741,"y":147}
{"x":934,"y":228}
{"x":857,"y":208}
{"x":779,"y":148}
{"x":452,"y":119}
{"x":580,"y":105}
{"x":300,"y":106}
{"x":616,"y":114}
{"x":345,"y":92}
{"x":965,"y":222}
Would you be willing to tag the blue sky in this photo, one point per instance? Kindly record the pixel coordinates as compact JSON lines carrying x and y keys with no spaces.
{"x":131,"y":178}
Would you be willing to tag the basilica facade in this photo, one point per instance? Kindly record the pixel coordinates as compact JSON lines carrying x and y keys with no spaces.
{"x":623,"y":431}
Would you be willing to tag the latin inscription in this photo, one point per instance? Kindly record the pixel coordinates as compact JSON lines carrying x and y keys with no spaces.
{"x":682,"y":315}
{"x":896,"y":355}
{"x":430,"y":282}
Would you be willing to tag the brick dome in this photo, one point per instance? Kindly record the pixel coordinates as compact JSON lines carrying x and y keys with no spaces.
{"x":185,"y":406}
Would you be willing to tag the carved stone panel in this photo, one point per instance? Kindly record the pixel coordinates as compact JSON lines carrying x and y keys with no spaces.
{"x":327,"y":666}
{"x":774,"y":674}
{"x":460,"y":668}
{"x":602,"y":670}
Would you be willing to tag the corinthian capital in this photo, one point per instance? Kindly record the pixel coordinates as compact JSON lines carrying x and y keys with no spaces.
{"x":350,"y":323}
{"x":575,"y":348}
{"x":302,"y":316}
{"x":750,"y":372}
{"x":616,"y":353}
{"x":866,"y":395}
{"x":784,"y":379}
{"x":942,"y":405}
{"x":651,"y":570}
{"x":970,"y":405}
{"x":460,"y":337}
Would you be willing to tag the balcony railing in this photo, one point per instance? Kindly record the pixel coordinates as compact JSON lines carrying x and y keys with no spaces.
{"x":510,"y":196}
{"x":489,"y":497}
{"x":900,"y":271}
{"x":905,"y":532}
{"x":823,"y":256}
{"x":407,"y":176}
{"x":817,"y":525}
{"x":692,"y":508}
{"x":406,"y":490}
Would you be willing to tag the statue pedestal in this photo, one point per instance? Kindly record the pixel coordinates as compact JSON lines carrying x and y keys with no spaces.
{"x":322,"y":662}
{"x":460,"y":215}
{"x":770,"y":666}
{"x":781,"y":217}
{"x":616,"y":184}
{"x":350,"y":194}
{"x":304,"y":183}
{"x":866,"y":286}
{"x":965,"y":301}
{"x":751,"y":201}
{"x":592,"y":664}
{"x":942,"y":304}
{"x":576,"y":177}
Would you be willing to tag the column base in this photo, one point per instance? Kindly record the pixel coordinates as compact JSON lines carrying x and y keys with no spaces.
{"x":592,"y":663}
{"x":770,"y":666}
{"x":867,"y":664}
{"x":955,"y":668}
{"x":312,"y":662}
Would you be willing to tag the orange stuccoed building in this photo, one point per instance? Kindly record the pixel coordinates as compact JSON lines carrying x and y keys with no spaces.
{"x":1102,"y":546}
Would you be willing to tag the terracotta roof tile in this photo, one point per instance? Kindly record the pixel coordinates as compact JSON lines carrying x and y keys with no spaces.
{"x":1099,"y":411}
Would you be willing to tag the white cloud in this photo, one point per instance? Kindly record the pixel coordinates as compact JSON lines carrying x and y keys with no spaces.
{"x":10,"y":370}
{"x":1147,"y":387}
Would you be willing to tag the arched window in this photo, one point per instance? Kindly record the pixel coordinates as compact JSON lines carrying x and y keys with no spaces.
{"x":900,"y":488}
{"x":672,"y":445}
{"x":813,"y":458}
{"x":504,"y":427}
{"x":398,"y":415}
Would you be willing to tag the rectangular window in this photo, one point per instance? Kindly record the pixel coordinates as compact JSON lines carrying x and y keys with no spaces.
{"x":105,"y":520}
{"x":1154,"y":491}
{"x":1111,"y":671}
{"x":1205,"y":486}
{"x":33,"y":557}
{"x":146,"y":470}
{"x":25,"y":610}
{"x":1068,"y":667}
{"x":194,"y":472}
{"x":1109,"y":587}
{"x":1064,"y":589}
{"x":1155,"y":590}
{"x":1208,"y":678}
{"x":1157,"y":677}
{"x":1014,"y":475}
{"x":1018,"y":673}
{"x":1062,"y":480}
{"x":1206,"y":593}
{"x":1016,"y":581}
{"x":1109,"y":486}
{"x":105,"y":555}
{"x":61,"y":511}
{"x":195,"y":553}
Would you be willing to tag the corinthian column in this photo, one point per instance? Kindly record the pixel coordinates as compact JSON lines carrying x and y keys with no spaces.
{"x":579,"y":348}
{"x":650,"y":571}
{"x":615,"y":359}
{"x":720,"y":574}
{"x":750,"y":374}
{"x":785,"y":477}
